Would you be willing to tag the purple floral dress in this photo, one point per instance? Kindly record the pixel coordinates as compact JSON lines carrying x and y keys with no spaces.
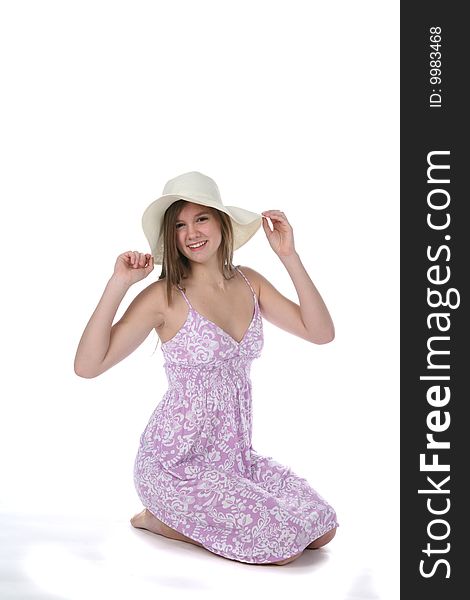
{"x":196,"y":469}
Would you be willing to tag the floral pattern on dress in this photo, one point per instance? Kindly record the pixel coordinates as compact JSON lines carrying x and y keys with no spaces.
{"x":196,"y":469}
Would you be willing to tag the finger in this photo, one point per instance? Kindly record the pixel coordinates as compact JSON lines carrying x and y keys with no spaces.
{"x":278,"y":217}
{"x":143,"y":258}
{"x":135,"y":259}
{"x":275,"y":214}
{"x":267,"y":226}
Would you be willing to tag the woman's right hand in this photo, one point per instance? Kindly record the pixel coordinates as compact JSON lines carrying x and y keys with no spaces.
{"x":134,"y":266}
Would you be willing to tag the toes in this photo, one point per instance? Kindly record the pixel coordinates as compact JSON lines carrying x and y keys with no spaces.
{"x":138,"y":519}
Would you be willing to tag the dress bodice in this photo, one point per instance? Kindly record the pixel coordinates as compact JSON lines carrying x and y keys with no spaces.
{"x":201,"y":342}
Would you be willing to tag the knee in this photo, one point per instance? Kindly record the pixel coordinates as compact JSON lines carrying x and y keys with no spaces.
{"x":323,"y":539}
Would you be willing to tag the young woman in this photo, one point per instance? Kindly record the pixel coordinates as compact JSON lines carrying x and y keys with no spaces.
{"x":196,"y":471}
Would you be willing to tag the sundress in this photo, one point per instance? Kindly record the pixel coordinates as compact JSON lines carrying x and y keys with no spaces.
{"x":196,"y":469}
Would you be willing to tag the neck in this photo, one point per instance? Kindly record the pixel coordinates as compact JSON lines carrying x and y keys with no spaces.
{"x":208,"y":276}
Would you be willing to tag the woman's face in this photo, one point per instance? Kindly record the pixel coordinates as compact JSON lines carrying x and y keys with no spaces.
{"x":196,"y":223}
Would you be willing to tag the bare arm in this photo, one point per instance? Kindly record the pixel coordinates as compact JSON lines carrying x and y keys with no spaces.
{"x":102,"y":344}
{"x":310,"y":320}
{"x":313,"y":311}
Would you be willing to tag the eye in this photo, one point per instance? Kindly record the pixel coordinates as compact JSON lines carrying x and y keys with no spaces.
{"x":199,"y":219}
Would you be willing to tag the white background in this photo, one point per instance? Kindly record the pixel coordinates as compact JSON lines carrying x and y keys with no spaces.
{"x":287,"y":105}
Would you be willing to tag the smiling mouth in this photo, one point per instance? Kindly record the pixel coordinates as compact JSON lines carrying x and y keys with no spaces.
{"x":198,"y":245}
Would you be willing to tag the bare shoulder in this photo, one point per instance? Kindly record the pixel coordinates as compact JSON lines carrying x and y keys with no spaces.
{"x":270,"y":299}
{"x":154,"y":298}
{"x":255,"y":278}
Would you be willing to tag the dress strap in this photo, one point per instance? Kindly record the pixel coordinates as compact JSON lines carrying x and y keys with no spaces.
{"x":185,"y":297}
{"x":246,"y":281}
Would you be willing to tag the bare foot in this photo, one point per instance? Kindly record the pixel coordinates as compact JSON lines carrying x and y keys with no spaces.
{"x":322,"y":540}
{"x":140,"y":520}
{"x":145,"y":520}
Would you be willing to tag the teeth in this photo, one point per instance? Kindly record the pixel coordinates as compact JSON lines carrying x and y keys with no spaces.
{"x":197,"y":245}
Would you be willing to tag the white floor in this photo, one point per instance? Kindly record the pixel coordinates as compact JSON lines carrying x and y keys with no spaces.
{"x":87,"y":558}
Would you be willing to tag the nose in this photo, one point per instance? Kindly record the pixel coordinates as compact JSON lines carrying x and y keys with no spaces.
{"x":192,"y":232}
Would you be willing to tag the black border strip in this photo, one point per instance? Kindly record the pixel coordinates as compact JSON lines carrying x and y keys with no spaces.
{"x":434,"y":263}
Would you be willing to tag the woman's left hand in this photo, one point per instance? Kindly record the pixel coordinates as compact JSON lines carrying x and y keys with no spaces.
{"x":281,"y":238}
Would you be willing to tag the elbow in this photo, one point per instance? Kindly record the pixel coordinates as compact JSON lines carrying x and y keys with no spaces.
{"x":84,"y":375}
{"x":324,"y":338}
{"x":321,"y":341}
{"x":80,"y":372}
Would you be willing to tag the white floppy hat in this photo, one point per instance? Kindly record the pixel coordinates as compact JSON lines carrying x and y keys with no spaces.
{"x":200,"y":189}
